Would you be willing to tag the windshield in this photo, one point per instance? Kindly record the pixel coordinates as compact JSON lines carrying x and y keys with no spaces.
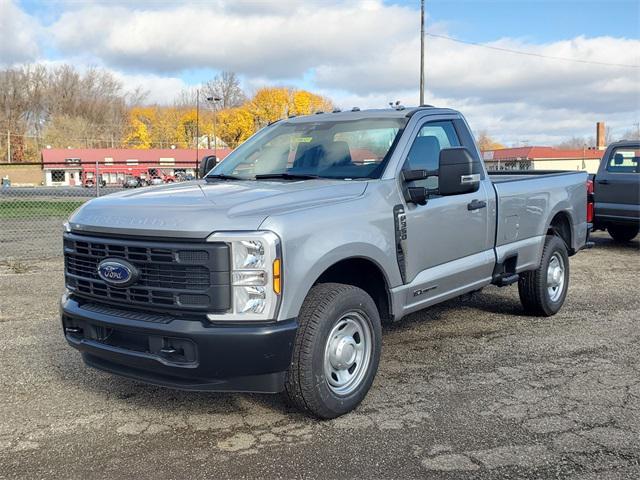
{"x":327,"y":149}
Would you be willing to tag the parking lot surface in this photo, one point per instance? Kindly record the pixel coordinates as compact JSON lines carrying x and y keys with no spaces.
{"x":469,"y":389}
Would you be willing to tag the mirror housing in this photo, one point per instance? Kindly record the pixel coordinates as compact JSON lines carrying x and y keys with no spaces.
{"x":459,"y":172}
{"x":417,"y":195}
{"x":413,"y":175}
{"x":206,"y":165}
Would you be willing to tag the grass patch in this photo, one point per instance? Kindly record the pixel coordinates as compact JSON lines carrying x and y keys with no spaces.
{"x":38,"y":208}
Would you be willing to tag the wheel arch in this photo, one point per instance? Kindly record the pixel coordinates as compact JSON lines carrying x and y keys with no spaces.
{"x":561,"y":225}
{"x":364,"y":273}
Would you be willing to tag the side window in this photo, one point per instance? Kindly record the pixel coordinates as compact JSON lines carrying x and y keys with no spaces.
{"x":624,"y":160}
{"x":425,"y":151}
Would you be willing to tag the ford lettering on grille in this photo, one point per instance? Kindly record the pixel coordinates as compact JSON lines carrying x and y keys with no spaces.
{"x":116,"y":272}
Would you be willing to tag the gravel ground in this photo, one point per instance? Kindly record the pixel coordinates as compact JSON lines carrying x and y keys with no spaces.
{"x":469,"y":389}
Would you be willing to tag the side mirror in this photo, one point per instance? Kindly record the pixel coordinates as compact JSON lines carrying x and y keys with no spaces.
{"x":459,"y":172}
{"x":206,"y":165}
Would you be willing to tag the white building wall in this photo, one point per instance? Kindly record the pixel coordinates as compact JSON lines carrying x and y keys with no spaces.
{"x":590,"y":165}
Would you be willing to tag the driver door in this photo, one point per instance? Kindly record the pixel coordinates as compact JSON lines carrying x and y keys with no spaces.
{"x":449,"y":244}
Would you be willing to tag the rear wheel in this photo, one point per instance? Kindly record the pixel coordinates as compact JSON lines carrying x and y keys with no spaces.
{"x":336,"y":352}
{"x":623,"y":233}
{"x":542,"y":291}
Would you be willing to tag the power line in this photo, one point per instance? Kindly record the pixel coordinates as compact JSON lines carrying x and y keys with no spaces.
{"x":531,"y":54}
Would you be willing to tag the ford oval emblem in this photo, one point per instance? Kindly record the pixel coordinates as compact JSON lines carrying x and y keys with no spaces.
{"x":116,"y":272}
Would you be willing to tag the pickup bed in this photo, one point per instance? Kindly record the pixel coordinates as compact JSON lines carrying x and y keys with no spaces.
{"x":275,"y":272}
{"x":616,"y":191}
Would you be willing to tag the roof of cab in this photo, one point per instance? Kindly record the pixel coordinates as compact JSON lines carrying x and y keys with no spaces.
{"x":367,"y":114}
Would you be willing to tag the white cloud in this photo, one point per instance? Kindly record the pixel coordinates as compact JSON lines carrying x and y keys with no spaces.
{"x":362,"y":53}
{"x":159,"y":89}
{"x":283,"y":43}
{"x":18,"y":42}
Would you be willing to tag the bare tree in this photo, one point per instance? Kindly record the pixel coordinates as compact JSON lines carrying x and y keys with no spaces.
{"x":632,"y":134}
{"x":574,"y":143}
{"x":62,"y":106}
{"x":225,"y":86}
{"x":187,"y":98}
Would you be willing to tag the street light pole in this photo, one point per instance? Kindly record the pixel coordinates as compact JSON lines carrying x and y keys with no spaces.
{"x":421,"y":52}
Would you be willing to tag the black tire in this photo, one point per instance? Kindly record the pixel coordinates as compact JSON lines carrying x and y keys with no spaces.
{"x":623,"y":233}
{"x":533,"y":287}
{"x":306,"y":384}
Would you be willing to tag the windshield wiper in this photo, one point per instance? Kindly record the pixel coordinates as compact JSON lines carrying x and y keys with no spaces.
{"x":224,"y":176}
{"x":287,"y":176}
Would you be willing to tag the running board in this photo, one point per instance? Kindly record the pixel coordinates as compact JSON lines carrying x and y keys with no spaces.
{"x":505,"y":279}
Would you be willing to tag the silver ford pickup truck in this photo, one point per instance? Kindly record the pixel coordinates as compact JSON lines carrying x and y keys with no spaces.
{"x":275,"y":271}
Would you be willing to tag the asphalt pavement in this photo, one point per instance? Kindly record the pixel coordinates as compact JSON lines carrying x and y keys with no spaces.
{"x":472,"y":388}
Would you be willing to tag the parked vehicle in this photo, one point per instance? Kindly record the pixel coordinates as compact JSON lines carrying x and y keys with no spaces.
{"x":616,"y":191}
{"x":158,"y":176}
{"x":133,"y":182}
{"x":155,"y":181}
{"x":275,"y":272}
{"x":91,"y":182}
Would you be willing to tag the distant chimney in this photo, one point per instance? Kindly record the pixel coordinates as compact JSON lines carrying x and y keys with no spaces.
{"x":600,"y":136}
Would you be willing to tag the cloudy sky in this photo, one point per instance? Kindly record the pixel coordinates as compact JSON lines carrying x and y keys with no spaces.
{"x":363,"y":53}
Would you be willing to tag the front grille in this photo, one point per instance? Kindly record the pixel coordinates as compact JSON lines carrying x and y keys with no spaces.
{"x":181,"y":276}
{"x":151,"y":275}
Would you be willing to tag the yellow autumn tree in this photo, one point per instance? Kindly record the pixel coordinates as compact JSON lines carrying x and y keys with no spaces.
{"x":160,"y":126}
{"x":269,"y":104}
{"x":140,"y":123}
{"x":235,"y":125}
{"x":303,"y":102}
{"x":186,"y":129}
{"x":485,"y":142}
{"x":165,"y":129}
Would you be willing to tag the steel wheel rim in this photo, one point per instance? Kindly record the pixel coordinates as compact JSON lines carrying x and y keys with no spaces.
{"x":555,"y":277}
{"x":347,"y":353}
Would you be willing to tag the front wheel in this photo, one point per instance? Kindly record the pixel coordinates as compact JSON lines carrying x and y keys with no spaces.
{"x":623,"y":233}
{"x":542,"y":291}
{"x":336,"y":351}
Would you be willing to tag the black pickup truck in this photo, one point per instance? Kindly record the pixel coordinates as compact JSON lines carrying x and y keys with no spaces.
{"x":616,"y":191}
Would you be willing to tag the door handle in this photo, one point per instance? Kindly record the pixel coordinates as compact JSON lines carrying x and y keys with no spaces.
{"x":476,"y":205}
{"x":603,"y":182}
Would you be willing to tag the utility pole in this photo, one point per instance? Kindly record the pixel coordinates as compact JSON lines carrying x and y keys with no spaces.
{"x":8,"y":146}
{"x":197,"y":127}
{"x":421,"y":52}
{"x":213,"y":101}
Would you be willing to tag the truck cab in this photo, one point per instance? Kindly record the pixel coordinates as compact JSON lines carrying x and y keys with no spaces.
{"x":617,"y":191}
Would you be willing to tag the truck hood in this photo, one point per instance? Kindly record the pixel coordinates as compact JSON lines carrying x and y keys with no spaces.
{"x":196,"y":209}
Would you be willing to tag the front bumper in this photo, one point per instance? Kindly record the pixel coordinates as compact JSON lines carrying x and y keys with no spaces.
{"x":178,"y":353}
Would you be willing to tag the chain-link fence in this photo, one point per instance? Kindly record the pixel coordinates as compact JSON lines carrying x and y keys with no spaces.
{"x":31,"y":216}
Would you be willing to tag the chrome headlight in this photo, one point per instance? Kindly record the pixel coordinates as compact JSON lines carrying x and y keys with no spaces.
{"x":256,"y":277}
